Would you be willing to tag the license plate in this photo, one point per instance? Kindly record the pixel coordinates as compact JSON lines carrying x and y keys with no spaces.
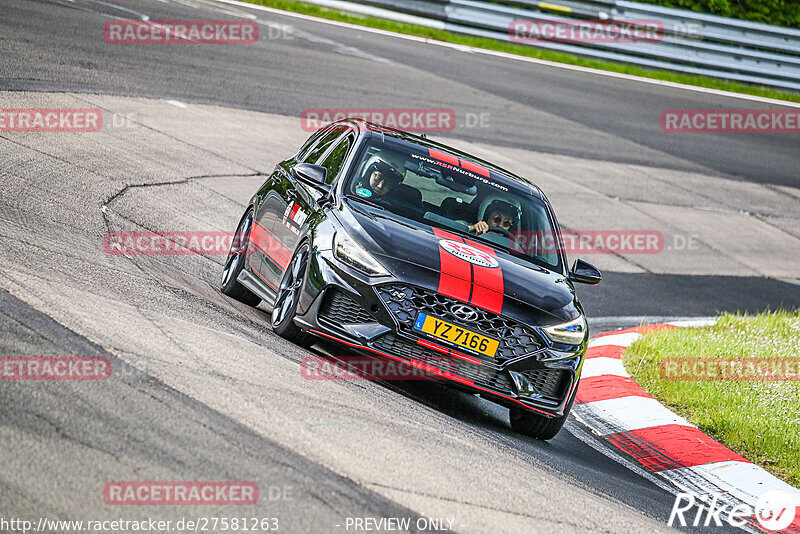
{"x":461,"y":336}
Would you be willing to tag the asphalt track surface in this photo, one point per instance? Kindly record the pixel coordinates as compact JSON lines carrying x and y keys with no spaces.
{"x":163,"y":416}
{"x":321,"y":66}
{"x":532,"y":106}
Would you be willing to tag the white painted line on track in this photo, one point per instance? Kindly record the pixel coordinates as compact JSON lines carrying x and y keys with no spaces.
{"x":379,"y":12}
{"x":603,"y":366}
{"x":505,"y":55}
{"x":633,"y":413}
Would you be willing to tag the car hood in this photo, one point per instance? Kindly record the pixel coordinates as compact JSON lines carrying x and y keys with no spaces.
{"x":452,"y":264}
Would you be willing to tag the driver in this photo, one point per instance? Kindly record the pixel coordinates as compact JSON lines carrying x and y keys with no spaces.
{"x":380,"y":177}
{"x":499,"y":215}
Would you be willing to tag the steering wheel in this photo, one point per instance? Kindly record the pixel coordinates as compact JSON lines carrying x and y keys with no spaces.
{"x":498,"y":230}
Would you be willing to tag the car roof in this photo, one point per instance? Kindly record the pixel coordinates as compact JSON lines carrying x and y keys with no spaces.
{"x":498,"y":173}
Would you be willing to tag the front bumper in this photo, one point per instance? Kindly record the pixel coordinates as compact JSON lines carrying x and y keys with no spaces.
{"x":345,"y":306}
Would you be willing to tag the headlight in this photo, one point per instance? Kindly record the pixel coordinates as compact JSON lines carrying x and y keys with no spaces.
{"x":354,"y":255}
{"x":571,"y":333}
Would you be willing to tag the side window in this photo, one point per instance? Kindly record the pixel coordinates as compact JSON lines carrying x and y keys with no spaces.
{"x":333,"y":163}
{"x":323,"y":144}
{"x":311,"y":140}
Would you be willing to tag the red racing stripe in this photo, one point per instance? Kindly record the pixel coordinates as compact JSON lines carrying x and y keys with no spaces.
{"x":433,"y":346}
{"x":599,"y":388}
{"x":665,"y":447}
{"x":455,"y":274}
{"x":474,"y":167}
{"x":271,"y":246}
{"x":464,"y":357}
{"x":487,"y":289}
{"x":274,"y":237}
{"x":258,"y":238}
{"x":443,"y":156}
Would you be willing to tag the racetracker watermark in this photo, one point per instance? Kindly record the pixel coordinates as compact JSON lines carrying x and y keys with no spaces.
{"x":590,"y":242}
{"x":730,"y":121}
{"x":51,"y":120}
{"x":148,"y":525}
{"x":168,"y":243}
{"x":417,"y":120}
{"x":55,"y":368}
{"x":726,"y":370}
{"x":365,"y":368}
{"x":774,"y":511}
{"x":180,"y":493}
{"x":180,"y":32}
{"x":585,"y":31}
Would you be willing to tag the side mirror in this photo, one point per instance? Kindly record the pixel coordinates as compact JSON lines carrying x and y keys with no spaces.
{"x":313,"y":175}
{"x":585,"y":273}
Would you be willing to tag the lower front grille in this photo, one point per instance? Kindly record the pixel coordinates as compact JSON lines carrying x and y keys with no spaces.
{"x":486,"y":375}
{"x":338,"y":308}
{"x":549,"y":383}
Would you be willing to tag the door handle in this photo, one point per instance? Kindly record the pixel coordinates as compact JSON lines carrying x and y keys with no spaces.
{"x":291,"y":194}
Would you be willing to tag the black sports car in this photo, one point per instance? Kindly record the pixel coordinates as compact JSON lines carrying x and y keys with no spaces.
{"x":404,"y":248}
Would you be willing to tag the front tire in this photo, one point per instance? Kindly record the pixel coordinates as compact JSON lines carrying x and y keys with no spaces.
{"x":235,"y":262}
{"x":538,"y":426}
{"x":285,"y":308}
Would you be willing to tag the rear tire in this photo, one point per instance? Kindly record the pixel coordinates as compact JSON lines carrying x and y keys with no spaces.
{"x":285,"y":307}
{"x":235,"y":262}
{"x":538,"y":426}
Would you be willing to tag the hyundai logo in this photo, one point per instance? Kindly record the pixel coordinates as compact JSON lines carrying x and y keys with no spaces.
{"x":465,"y":313}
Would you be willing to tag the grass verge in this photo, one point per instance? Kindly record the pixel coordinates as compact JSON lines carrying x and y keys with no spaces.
{"x":522,"y":50}
{"x":760,"y":420}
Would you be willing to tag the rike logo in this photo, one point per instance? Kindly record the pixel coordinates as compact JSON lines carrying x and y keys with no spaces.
{"x":775,"y":510}
{"x":468,"y":253}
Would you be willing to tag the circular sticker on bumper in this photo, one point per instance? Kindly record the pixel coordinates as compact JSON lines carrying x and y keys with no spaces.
{"x":469,"y":253}
{"x":363,"y":192}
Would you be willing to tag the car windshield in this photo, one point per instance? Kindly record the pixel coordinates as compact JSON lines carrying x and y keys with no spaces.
{"x":456,"y":194}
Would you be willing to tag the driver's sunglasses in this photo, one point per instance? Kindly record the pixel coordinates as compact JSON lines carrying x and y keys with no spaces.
{"x":501,"y":222}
